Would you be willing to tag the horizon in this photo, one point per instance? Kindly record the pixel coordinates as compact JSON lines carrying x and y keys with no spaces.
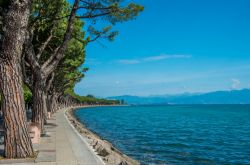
{"x":192,"y":46}
{"x":172,"y":88}
{"x":179,"y":94}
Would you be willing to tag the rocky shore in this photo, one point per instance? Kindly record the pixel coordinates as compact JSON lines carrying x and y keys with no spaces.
{"x":109,"y":154}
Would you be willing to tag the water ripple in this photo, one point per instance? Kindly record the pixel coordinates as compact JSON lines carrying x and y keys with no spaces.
{"x":160,"y":135}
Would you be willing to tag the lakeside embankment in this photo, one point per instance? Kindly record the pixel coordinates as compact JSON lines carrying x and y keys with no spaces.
{"x":108,"y":153}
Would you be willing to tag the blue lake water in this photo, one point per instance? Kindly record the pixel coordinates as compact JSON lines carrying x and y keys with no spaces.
{"x":192,"y":134}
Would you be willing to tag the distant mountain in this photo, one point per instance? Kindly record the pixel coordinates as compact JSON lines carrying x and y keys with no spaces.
{"x":219,"y":97}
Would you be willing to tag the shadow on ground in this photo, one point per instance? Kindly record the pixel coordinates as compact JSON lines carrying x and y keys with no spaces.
{"x":1,"y":152}
{"x":51,"y":125}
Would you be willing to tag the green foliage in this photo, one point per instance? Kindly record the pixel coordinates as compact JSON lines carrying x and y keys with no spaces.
{"x":50,"y":18}
{"x":126,"y":13}
{"x":90,"y":99}
{"x":90,"y":96}
{"x":109,"y":12}
{"x":105,"y":33}
{"x":112,"y":11}
{"x":70,"y":70}
{"x":27,"y":95}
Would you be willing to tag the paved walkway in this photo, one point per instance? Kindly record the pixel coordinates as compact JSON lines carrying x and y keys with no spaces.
{"x":63,"y":145}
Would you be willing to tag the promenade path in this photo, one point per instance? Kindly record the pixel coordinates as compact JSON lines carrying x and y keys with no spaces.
{"x":62,"y":146}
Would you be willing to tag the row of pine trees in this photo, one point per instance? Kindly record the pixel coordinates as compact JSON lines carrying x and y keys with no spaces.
{"x":42,"y":49}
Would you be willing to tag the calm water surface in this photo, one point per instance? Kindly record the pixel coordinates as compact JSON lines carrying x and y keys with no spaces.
{"x":197,"y":134}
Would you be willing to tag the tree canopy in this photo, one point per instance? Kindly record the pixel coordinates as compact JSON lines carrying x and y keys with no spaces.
{"x":42,"y":52}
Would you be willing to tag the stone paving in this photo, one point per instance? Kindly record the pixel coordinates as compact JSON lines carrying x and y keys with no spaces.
{"x":62,"y":145}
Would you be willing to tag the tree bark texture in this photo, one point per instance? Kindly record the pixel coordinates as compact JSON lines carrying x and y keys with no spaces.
{"x":39,"y":109}
{"x":17,"y":143}
{"x":52,"y":103}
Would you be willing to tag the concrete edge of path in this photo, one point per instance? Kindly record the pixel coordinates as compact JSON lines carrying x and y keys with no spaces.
{"x":80,"y":136}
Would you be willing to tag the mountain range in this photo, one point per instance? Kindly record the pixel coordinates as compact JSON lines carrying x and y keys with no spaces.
{"x":218,"y":97}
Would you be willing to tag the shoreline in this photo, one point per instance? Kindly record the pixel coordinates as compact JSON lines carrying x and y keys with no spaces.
{"x":102,"y":148}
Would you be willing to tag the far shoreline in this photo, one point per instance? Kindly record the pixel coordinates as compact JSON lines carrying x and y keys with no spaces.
{"x":104,"y":149}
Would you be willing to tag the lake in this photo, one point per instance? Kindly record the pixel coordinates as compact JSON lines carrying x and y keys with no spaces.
{"x":181,"y":134}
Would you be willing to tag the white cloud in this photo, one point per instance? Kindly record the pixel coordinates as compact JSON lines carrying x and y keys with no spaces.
{"x":153,"y":59}
{"x":127,"y":62}
{"x":165,"y":56}
{"x":235,"y":83}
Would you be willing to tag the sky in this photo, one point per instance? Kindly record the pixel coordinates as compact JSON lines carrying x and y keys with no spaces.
{"x":172,"y":47}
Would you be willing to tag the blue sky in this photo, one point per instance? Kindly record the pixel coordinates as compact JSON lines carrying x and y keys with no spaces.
{"x":174,"y":46}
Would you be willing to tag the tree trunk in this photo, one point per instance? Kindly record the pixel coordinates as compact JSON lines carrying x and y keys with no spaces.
{"x":17,"y":143}
{"x":39,"y":110}
{"x":52,"y":103}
